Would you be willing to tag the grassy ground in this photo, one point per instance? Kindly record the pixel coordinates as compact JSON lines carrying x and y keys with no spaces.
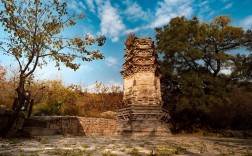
{"x":122,"y":146}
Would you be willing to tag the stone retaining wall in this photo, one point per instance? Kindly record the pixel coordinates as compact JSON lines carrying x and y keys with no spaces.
{"x":98,"y":126}
{"x":51,"y":125}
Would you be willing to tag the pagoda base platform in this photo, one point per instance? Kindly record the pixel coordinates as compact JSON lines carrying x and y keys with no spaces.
{"x":143,"y":120}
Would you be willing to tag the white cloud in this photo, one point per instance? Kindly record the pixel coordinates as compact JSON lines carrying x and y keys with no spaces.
{"x":228,"y":6}
{"x":111,"y":23}
{"x":135,"y":12}
{"x":247,"y":22}
{"x":169,"y":9}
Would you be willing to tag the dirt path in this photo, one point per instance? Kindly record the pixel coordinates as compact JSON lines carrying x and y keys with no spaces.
{"x":122,"y":146}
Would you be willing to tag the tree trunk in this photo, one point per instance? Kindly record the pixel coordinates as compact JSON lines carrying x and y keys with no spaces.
{"x":15,"y":122}
{"x":21,"y":93}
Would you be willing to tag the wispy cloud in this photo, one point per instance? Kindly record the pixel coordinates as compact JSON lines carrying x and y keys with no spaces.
{"x":111,"y":22}
{"x":78,"y":7}
{"x":91,"y":6}
{"x":113,"y":26}
{"x":228,"y":6}
{"x":247,"y":22}
{"x":99,"y":2}
{"x":164,"y":12}
{"x":169,"y":9}
{"x":134,"y":30}
{"x":86,"y":68}
{"x":113,"y":63}
{"x":205,"y":13}
{"x":203,"y":3}
{"x":110,"y":61}
{"x":112,"y":15}
{"x":135,"y":12}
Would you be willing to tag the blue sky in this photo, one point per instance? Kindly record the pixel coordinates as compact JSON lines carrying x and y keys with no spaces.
{"x":116,"y":18}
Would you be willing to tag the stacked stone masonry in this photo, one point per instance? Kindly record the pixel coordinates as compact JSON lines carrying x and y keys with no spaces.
{"x":142,"y":113}
{"x":141,"y":74}
{"x":51,"y":125}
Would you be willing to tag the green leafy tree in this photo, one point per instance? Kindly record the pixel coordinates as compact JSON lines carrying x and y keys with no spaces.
{"x":242,"y":70}
{"x":56,"y":99}
{"x":33,"y":36}
{"x":195,"y":54}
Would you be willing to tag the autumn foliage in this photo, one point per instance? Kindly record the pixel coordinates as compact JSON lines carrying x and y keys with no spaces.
{"x":34,"y":36}
{"x":52,"y":97}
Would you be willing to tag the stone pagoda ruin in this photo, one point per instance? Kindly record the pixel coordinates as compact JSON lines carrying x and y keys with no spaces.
{"x":142,"y":113}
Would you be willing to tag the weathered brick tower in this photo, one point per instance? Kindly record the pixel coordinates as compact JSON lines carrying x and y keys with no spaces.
{"x":142,"y":113}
